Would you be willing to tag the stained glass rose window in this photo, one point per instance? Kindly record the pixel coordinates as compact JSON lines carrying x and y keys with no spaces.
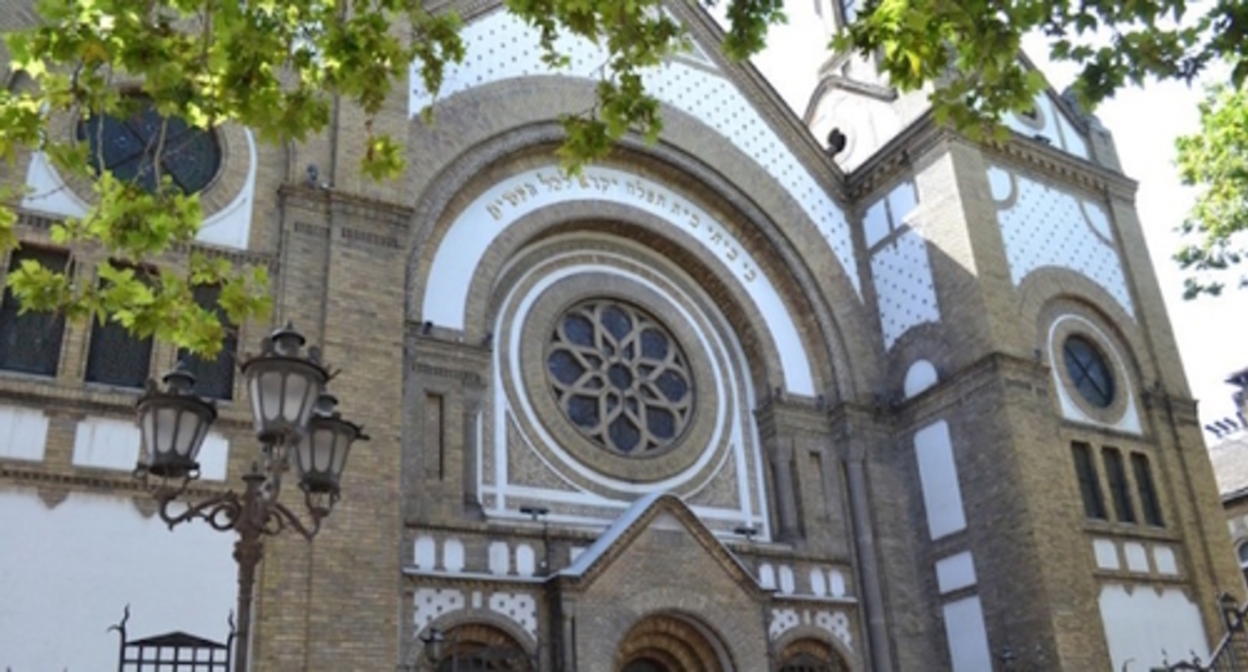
{"x":620,"y":377}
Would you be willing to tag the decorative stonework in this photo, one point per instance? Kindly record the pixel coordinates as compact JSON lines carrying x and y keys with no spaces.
{"x":704,"y":95}
{"x":904,"y":287}
{"x":1043,"y":226}
{"x":620,"y":378}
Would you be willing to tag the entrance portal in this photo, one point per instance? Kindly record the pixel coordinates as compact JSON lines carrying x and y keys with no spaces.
{"x":669,"y":643}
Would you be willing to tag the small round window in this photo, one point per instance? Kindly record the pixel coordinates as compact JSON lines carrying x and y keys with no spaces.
{"x":620,"y":377}
{"x":128,"y":147}
{"x":1088,"y":371}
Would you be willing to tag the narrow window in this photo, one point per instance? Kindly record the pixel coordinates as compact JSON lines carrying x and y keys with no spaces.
{"x":1243,"y":559}
{"x":1147,"y":491}
{"x":214,"y":378}
{"x":1089,"y":484}
{"x":117,"y":358}
{"x":1116,"y":474}
{"x":31,"y":343}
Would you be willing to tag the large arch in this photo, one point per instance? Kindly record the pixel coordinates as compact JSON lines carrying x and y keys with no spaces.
{"x":447,"y":171}
{"x":474,"y":206}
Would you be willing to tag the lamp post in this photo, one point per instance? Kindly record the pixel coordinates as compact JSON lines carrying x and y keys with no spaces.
{"x":292,"y":413}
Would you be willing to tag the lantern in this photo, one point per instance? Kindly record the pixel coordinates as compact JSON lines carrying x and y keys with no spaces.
{"x":283,"y":386}
{"x":174,"y":423}
{"x":321,"y":454}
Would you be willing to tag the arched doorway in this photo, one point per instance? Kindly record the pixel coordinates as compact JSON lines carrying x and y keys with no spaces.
{"x":476,"y":647}
{"x":670,"y":643}
{"x":811,"y":655}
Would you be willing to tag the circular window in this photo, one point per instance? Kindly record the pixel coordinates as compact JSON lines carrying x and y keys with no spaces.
{"x":620,"y":377}
{"x":127,"y":147}
{"x":1088,"y":371}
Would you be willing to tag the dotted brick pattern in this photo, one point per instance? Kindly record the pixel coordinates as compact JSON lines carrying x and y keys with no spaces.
{"x":520,"y":608}
{"x":501,"y":47}
{"x":783,"y":620}
{"x":1047,"y":227}
{"x":836,"y":623}
{"x":433,"y":603}
{"x":903,"y":286}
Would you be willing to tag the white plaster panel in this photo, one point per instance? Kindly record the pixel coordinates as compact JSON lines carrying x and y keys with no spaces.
{"x":1164,"y":561}
{"x":919,"y":377}
{"x":955,"y":572}
{"x":501,"y":46}
{"x":787,"y":584}
{"x":836,"y":623}
{"x":520,"y":608}
{"x":836,"y":583}
{"x":500,"y":558}
{"x":477,"y":599}
{"x":433,"y":603}
{"x":463,"y":247}
{"x":818,"y":584}
{"x":66,"y":574}
{"x":1143,"y":624}
{"x":23,"y":433}
{"x":425,"y":553}
{"x":1137,"y":557}
{"x":942,"y":498}
{"x":214,"y":455}
{"x":902,"y":201}
{"x":231,"y":226}
{"x":904,"y":286}
{"x":967,"y":638}
{"x":1053,"y":125}
{"x":526,"y":560}
{"x":782,"y":620}
{"x":1106,"y":552}
{"x":453,"y":555}
{"x":766,"y":576}
{"x":107,"y":443}
{"x":1048,"y":227}
{"x":875,"y":223}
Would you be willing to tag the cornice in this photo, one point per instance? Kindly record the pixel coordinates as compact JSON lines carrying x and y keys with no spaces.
{"x":925,"y":134}
{"x":337,"y":201}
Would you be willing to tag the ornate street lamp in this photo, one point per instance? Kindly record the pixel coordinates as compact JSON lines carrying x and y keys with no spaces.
{"x":292,"y":412}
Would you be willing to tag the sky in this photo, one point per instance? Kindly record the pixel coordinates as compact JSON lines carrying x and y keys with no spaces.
{"x":1212,"y":332}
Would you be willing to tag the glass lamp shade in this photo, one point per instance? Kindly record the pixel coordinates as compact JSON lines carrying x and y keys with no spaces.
{"x":283,"y":387}
{"x":322,"y":453}
{"x":173,"y":424}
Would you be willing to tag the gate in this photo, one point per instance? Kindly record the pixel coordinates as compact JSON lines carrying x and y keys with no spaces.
{"x":172,"y":651}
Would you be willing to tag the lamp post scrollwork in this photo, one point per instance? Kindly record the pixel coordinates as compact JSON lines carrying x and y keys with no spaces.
{"x":293,"y":414}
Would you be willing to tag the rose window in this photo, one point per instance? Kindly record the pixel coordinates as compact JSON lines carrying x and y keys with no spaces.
{"x":620,"y":377}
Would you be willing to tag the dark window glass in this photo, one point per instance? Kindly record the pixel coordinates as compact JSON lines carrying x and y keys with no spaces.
{"x":1116,"y":474}
{"x":117,"y":358}
{"x":1089,"y":484}
{"x":1243,"y":560}
{"x":214,"y":378}
{"x":1148,"y":492}
{"x":1088,"y":371}
{"x":190,"y":156}
{"x":31,"y":343}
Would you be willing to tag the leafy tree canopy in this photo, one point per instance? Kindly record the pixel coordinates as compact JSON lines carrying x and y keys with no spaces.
{"x":277,"y":66}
